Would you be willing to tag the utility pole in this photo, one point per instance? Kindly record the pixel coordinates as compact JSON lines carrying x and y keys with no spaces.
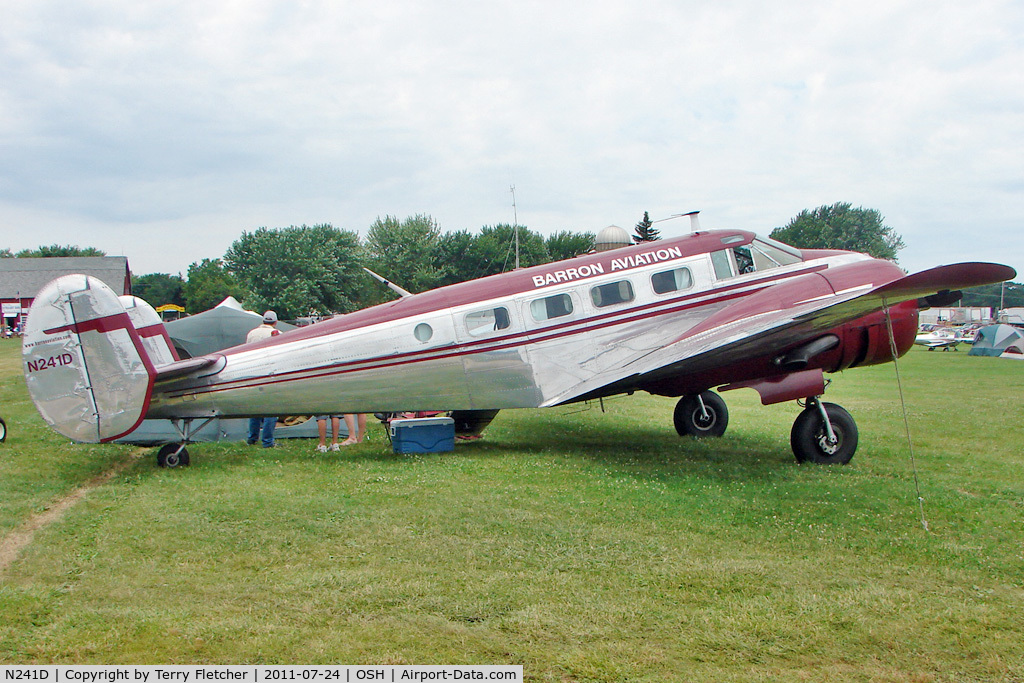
{"x":1002,"y":296}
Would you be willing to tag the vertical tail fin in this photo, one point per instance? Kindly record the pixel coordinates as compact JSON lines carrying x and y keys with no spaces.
{"x":151,"y":330}
{"x":86,"y":367}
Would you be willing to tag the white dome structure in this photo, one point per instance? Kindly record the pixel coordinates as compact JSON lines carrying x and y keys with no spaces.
{"x":612,"y":237}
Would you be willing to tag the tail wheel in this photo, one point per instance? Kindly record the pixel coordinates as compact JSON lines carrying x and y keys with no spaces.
{"x":701,"y":416}
{"x":173,"y":455}
{"x":810,"y":440}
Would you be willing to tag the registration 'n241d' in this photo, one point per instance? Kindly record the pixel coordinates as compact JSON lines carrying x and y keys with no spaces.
{"x":51,"y":362}
{"x":26,"y":675}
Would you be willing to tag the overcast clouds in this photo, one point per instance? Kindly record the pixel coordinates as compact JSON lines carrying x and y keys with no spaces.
{"x":161,"y":130}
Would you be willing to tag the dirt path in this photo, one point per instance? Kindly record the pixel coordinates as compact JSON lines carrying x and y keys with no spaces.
{"x":12,"y":544}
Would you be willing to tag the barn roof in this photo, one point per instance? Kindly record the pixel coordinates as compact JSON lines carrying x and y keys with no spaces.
{"x":24,"y":277}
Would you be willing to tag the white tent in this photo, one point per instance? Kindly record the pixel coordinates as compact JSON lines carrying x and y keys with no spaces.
{"x":221,"y":327}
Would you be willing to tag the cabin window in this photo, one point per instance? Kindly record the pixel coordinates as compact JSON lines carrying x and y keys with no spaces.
{"x":672,"y":280}
{"x":556,"y":306}
{"x":479,"y":323}
{"x":423,"y":332}
{"x":721,"y":261}
{"x":612,"y":293}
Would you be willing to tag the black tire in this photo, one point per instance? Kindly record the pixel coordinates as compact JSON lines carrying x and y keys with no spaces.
{"x":690,"y":420}
{"x":3,"y":430}
{"x":172,"y":455}
{"x":809,"y":438}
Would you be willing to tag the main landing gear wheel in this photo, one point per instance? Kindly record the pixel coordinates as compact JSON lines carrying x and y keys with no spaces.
{"x":172,"y":455}
{"x":3,"y":430}
{"x":810,"y":438}
{"x":701,"y":415}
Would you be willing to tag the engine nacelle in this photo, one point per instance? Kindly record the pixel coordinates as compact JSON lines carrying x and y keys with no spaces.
{"x":865,"y":341}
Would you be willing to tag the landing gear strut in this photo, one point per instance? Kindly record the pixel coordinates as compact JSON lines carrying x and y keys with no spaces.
{"x":824,"y":433}
{"x":175,"y":454}
{"x":701,"y":415}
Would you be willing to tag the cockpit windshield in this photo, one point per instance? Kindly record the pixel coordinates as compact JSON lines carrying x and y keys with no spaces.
{"x":760,"y":254}
{"x":768,"y":253}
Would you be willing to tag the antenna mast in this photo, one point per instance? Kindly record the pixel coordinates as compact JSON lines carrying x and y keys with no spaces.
{"x":515,"y":222}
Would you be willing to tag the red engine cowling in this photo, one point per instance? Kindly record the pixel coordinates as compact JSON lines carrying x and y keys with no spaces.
{"x":796,"y":369}
{"x":865,"y":341}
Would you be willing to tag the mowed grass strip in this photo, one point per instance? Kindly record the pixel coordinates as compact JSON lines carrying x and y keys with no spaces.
{"x":584,"y":545}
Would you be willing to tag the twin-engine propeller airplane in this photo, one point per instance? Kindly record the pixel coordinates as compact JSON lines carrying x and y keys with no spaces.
{"x":676,"y":317}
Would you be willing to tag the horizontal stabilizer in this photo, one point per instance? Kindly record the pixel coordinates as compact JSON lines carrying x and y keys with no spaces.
{"x":85,"y":364}
{"x":187,"y":367}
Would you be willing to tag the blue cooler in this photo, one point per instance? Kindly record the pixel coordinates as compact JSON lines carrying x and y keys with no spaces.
{"x":423,"y":435}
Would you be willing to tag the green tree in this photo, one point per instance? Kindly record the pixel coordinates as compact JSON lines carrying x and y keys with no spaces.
{"x":1011,"y":294}
{"x":403,"y":251}
{"x":158,"y":289}
{"x":566,"y":244}
{"x":840,"y":226}
{"x":6,"y":253}
{"x":298,"y":270}
{"x":455,"y":259}
{"x":208,"y":284}
{"x":58,"y":250}
{"x":645,"y":232}
{"x":494,"y":249}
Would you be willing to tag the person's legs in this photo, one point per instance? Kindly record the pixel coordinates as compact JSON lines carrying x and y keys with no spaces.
{"x":350,"y":422}
{"x":356,"y":424}
{"x":254,"y":429}
{"x":321,"y":428}
{"x":361,"y":419}
{"x":335,"y":428}
{"x":268,"y":431}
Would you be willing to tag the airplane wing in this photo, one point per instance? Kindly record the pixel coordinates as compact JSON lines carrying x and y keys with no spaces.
{"x":778,"y":317}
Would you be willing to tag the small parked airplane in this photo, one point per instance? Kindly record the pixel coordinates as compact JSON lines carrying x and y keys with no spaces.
{"x":942,"y":338}
{"x":676,"y":317}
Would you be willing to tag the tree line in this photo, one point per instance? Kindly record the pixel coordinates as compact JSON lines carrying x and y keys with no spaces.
{"x":318,"y":270}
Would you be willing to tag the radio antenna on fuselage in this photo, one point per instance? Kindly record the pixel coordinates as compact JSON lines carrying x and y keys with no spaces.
{"x":515,"y":223}
{"x":694,"y":222}
{"x":391,"y":285}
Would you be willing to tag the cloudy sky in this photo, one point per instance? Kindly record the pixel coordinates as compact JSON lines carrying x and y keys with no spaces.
{"x":161,"y":130}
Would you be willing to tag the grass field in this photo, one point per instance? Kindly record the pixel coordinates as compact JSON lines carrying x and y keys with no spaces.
{"x":584,"y":545}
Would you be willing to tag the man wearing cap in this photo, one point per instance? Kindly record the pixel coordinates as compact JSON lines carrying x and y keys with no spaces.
{"x":264,"y":424}
{"x":267,"y":329}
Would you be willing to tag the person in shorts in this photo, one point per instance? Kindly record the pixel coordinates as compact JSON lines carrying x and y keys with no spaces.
{"x":321,"y":427}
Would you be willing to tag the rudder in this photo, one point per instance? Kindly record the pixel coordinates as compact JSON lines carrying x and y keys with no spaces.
{"x":147,"y":323}
{"x":86,"y":367}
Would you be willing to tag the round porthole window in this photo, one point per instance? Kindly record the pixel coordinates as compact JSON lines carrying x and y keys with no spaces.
{"x":423,"y":332}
